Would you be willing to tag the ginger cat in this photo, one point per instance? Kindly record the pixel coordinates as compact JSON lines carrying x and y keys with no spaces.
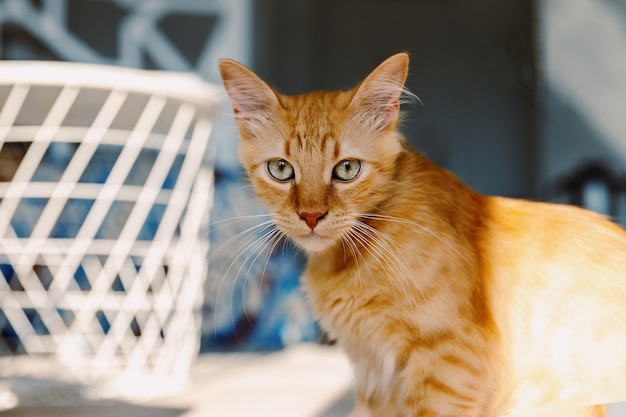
{"x":447,"y":302}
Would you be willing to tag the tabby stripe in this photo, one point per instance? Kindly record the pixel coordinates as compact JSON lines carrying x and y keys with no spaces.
{"x":441,"y":387}
{"x":460,"y":362}
{"x":287,"y":148}
{"x":477,"y":351}
{"x":425,"y":412}
{"x":434,"y":340}
{"x":299,"y":140}
{"x":336,"y":302}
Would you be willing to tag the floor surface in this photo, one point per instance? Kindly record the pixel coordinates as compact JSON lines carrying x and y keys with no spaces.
{"x":301,"y":381}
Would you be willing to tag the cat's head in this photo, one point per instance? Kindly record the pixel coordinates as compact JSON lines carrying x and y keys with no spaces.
{"x":322,"y":160}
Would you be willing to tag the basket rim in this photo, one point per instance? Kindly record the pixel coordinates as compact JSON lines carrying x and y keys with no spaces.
{"x":172,"y":84}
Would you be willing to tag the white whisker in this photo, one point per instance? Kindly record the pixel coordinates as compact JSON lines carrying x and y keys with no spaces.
{"x":349,"y":245}
{"x":258,"y":248}
{"x":389,"y":248}
{"x":401,"y":220}
{"x":377,"y":254}
{"x":251,"y":244}
{"x":384,"y":255}
{"x":230,"y":240}
{"x":235,"y":220}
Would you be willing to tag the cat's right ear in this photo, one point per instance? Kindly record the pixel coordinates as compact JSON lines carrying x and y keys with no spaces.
{"x":377,"y":98}
{"x":252,"y":99}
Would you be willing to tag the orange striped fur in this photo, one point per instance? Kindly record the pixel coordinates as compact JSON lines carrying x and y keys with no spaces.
{"x":448,"y":302}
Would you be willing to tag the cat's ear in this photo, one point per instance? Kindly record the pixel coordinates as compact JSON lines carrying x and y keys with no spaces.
{"x":252,"y":99}
{"x":378,"y":96}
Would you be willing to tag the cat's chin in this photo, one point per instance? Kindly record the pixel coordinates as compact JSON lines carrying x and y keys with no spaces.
{"x":314,"y":243}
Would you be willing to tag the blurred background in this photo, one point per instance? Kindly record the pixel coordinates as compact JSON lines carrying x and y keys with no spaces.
{"x":523,"y":98}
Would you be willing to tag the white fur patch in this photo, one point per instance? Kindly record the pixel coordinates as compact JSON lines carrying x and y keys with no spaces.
{"x":376,"y":380}
{"x":389,"y":369}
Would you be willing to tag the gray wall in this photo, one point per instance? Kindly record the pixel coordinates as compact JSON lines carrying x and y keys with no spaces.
{"x":473,"y":66}
{"x":583,"y":86}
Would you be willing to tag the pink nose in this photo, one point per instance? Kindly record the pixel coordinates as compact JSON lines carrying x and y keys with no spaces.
{"x":312,"y":218}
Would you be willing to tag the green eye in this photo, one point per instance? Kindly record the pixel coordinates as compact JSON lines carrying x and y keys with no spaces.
{"x":347,"y":169}
{"x":280,"y":170}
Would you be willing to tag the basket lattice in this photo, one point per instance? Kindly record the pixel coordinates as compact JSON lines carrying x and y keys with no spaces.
{"x":104,"y":198}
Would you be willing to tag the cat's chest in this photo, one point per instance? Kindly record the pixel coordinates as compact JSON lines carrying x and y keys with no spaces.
{"x":358,"y":304}
{"x":361,"y":320}
{"x":360,"y":312}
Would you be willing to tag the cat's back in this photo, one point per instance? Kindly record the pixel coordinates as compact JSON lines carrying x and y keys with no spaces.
{"x":533,"y":236}
{"x":555,"y":276}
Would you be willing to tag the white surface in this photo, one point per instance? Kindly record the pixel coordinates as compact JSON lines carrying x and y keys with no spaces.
{"x":301,"y":381}
{"x":304,"y":381}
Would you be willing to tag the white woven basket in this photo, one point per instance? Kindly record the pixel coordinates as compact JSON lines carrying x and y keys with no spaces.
{"x":104,"y":194}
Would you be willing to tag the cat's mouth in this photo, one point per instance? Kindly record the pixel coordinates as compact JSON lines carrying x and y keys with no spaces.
{"x":314,"y":241}
{"x":320,"y":238}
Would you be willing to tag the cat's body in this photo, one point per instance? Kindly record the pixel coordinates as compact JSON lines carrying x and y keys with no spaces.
{"x":448,"y":302}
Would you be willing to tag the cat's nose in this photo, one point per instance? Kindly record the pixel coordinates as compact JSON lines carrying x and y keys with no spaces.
{"x":311,"y":219}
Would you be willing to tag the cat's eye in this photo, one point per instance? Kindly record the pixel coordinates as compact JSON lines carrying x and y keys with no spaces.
{"x":347,"y":169}
{"x":280,"y":169}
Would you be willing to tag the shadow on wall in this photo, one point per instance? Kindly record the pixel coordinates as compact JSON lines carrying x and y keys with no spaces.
{"x":583,"y":47}
{"x":569,"y":141}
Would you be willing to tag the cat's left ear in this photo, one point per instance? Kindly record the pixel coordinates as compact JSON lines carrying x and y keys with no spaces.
{"x":378,"y":96}
{"x":252,"y":99}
